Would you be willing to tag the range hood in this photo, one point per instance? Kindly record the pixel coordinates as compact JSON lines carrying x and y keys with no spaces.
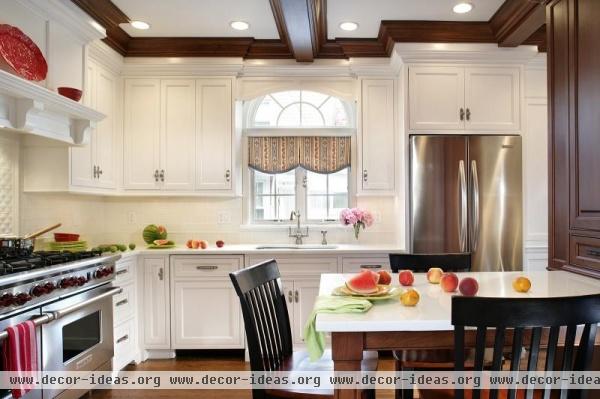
{"x":28,"y":108}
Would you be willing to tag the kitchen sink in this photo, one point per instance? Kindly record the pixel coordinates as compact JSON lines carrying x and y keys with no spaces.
{"x":291,"y":246}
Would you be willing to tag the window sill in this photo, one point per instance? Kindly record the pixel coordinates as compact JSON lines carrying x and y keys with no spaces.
{"x":284,"y":227}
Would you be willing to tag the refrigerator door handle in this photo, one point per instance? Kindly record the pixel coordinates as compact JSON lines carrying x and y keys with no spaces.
{"x":475,"y":220}
{"x":462,"y":233}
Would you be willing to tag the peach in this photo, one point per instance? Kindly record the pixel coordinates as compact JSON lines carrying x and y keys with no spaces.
{"x":434,"y":275}
{"x":468,"y":286}
{"x":195,"y":244}
{"x":384,"y":277}
{"x":189,"y":243}
{"x":449,"y":282}
{"x":203,"y":244}
{"x":406,"y":277}
{"x":521,"y":284}
{"x":410,"y":297}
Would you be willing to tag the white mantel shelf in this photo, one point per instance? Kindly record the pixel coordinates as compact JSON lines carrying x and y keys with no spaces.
{"x":33,"y":109}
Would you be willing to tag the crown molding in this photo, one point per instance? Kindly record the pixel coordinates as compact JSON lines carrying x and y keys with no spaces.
{"x":182,"y":66}
{"x":414,"y":53}
{"x":106,"y":55}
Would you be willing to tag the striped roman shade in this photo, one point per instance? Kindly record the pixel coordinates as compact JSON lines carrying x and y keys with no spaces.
{"x":282,"y":154}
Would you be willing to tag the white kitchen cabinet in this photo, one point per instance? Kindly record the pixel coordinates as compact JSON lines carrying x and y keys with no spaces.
{"x":205,"y":310}
{"x":214,"y":134}
{"x":156,"y":320}
{"x":376,"y":262}
{"x":142,"y":134}
{"x":464,"y":99}
{"x":125,"y":333}
{"x":377,"y":138}
{"x":177,"y":143}
{"x":306,"y":292}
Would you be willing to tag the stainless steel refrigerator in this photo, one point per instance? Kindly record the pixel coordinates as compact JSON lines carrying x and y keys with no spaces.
{"x":466,"y":196}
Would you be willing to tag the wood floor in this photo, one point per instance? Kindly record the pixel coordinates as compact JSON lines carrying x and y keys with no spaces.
{"x":196,"y":362}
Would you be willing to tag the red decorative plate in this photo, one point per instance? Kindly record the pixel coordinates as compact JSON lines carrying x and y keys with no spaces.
{"x":21,"y":54}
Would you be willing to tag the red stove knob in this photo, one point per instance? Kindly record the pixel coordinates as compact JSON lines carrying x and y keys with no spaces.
{"x":38,"y":290}
{"x":22,"y":298}
{"x":98,"y":273}
{"x":49,"y":287}
{"x":7,"y":299}
{"x":81,"y":281}
{"x":65,"y":283}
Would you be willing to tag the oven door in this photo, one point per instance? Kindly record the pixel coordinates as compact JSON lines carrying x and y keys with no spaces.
{"x":80,"y":338}
{"x":11,"y":321}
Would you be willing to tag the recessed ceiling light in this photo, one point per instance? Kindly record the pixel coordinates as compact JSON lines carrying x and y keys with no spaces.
{"x":462,"y":8}
{"x":349,"y":26}
{"x":140,"y":25}
{"x":239,"y":25}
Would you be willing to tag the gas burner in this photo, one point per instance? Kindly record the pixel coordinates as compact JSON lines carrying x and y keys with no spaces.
{"x":10,"y":265}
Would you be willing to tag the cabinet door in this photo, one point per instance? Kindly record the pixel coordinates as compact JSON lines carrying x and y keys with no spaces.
{"x":177,"y":133}
{"x":106,"y":131}
{"x":436,"y":96}
{"x":205,"y":315}
{"x":305,"y":294}
{"x":213,"y":134}
{"x":141,"y":134}
{"x":156,"y":304}
{"x":492,"y":99}
{"x":82,"y":158}
{"x":377,"y":138}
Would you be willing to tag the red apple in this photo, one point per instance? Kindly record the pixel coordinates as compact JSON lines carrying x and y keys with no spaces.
{"x":434,"y":275}
{"x":406,"y":277}
{"x":449,"y":282}
{"x":220,"y":243}
{"x":189,"y":243}
{"x":384,"y":277}
{"x":468,"y":286}
{"x":203,"y":244}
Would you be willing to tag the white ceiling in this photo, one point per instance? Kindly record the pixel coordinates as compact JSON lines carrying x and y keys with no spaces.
{"x":369,"y":13}
{"x":200,"y":18}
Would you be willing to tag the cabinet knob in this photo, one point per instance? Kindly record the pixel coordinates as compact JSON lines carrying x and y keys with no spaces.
{"x":95,"y":169}
{"x":162,"y":175}
{"x":468,"y":114}
{"x":296,"y":296}
{"x":290,"y":297}
{"x":161,"y":274}
{"x":461,"y":114}
{"x":365,"y":175}
{"x":228,"y":175}
{"x":156,"y":175}
{"x":99,"y":171}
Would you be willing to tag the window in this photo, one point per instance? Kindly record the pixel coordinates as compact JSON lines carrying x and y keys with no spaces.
{"x":310,"y":174}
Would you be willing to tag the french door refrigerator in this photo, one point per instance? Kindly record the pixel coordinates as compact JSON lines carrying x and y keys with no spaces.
{"x":466,"y":196}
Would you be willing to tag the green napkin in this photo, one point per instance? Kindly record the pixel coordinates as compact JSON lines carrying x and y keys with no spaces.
{"x":315,"y":340}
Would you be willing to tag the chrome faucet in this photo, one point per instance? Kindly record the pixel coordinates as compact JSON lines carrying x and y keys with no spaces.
{"x":298,"y":234}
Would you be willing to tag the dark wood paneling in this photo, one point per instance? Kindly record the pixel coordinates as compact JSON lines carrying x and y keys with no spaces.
{"x":266,"y":49}
{"x":296,"y":22}
{"x":436,"y":32}
{"x":585,"y":252}
{"x":188,"y":47}
{"x":516,"y":20}
{"x":538,"y":39}
{"x":109,"y":16}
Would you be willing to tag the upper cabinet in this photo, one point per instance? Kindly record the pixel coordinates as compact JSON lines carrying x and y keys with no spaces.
{"x":376,"y":140}
{"x":471,"y":99}
{"x":178,"y":135}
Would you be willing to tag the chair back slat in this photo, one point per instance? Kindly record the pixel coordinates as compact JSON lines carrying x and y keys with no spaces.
{"x":542,"y":319}
{"x":266,"y":317}
{"x":422,"y":262}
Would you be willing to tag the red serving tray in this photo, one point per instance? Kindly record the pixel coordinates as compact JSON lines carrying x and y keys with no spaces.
{"x":20,"y":55}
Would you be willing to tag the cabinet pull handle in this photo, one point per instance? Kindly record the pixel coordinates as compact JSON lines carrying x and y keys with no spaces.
{"x":290,"y":298}
{"x":468,"y":114}
{"x":461,"y":114}
{"x":207,"y":267}
{"x":122,"y":302}
{"x":365,"y":175}
{"x":162,"y":175}
{"x":296,"y":296}
{"x":95,"y":171}
{"x":119,"y":272}
{"x":123,"y":338}
{"x":161,"y":274}
{"x":228,"y":175}
{"x":370,"y":266}
{"x":593,"y":252}
{"x":156,"y":175}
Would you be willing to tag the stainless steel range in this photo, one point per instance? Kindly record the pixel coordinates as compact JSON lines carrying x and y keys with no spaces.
{"x":69,"y":296}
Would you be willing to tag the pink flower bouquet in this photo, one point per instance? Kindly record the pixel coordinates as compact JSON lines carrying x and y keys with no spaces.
{"x":357,"y":218}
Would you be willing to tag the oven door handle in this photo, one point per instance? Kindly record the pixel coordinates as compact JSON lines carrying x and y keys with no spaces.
{"x":59,"y":314}
{"x":38,"y":321}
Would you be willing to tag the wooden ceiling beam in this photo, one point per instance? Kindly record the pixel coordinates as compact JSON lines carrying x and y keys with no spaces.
{"x":296,"y":23}
{"x":107,"y":14}
{"x":517,"y":20}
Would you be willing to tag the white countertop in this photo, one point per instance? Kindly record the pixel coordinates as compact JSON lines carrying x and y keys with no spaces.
{"x":432,"y":313}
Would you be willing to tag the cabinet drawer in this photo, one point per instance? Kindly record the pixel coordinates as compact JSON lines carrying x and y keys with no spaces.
{"x":124,"y":304}
{"x":354,"y":265}
{"x":200,"y":266}
{"x":296,"y":265}
{"x":125,"y":271}
{"x":585,"y":251}
{"x":125,"y":344}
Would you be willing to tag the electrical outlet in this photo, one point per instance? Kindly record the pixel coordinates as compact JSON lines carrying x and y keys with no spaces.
{"x":131,"y":217}
{"x":223,"y":217}
{"x":377,"y":216}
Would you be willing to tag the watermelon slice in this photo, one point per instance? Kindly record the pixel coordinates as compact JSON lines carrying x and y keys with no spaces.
{"x":163,"y":242}
{"x":364,"y":282}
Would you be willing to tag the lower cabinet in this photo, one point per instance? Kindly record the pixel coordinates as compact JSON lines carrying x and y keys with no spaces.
{"x":155,"y":313}
{"x":125,"y":315}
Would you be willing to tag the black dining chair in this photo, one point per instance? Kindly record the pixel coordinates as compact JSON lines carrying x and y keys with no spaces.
{"x":433,"y":359}
{"x":530,"y":322}
{"x":269,"y":336}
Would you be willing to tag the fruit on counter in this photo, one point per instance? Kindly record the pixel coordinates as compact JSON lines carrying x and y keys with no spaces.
{"x":121,"y":247}
{"x":410,"y":297}
{"x":153,"y":232}
{"x":434,"y":275}
{"x":163,"y":242}
{"x":406,"y":277}
{"x":384,"y":277}
{"x":110,"y":248}
{"x":363,"y":282}
{"x":131,"y":246}
{"x":220,"y":243}
{"x":449,"y":282}
{"x":468,"y":286}
{"x":203,"y":244}
{"x":113,"y":248}
{"x":521,"y":284}
{"x":189,"y":243}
